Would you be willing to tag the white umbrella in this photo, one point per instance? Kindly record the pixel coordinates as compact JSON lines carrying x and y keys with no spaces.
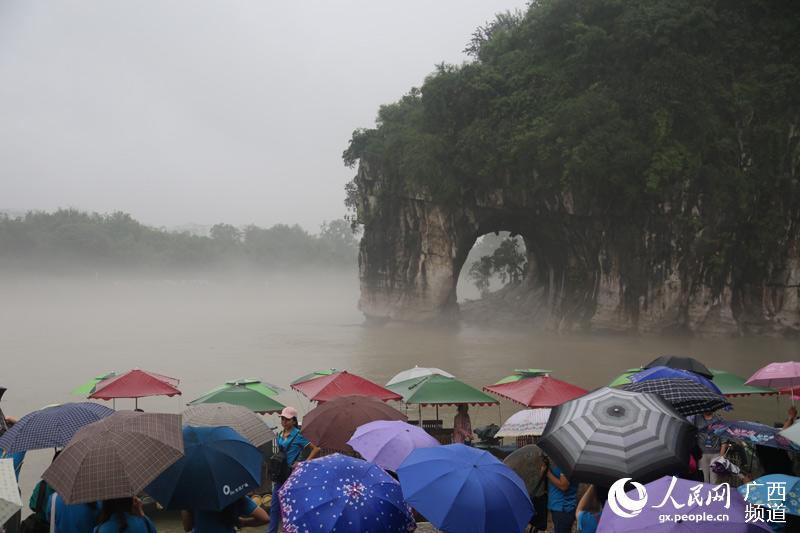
{"x":418,"y":372}
{"x":10,"y":501}
{"x":529,"y":422}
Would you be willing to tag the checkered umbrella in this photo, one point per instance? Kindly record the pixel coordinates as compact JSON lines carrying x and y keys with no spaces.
{"x":246,"y":423}
{"x":687,"y":397}
{"x":609,"y":434}
{"x":51,"y":427}
{"x":10,"y":501}
{"x":116,"y":457}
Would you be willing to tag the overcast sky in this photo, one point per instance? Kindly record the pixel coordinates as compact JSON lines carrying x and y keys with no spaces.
{"x":200,"y":111}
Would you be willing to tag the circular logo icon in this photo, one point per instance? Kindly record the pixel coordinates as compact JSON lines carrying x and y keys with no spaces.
{"x":621,"y":504}
{"x":226,"y":490}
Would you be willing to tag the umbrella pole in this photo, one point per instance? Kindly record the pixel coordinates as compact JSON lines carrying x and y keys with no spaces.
{"x":136,"y":403}
{"x":420,"y":414}
{"x":437,"y":411}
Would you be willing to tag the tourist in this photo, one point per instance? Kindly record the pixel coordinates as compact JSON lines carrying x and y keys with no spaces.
{"x":77,"y":518}
{"x":709,"y":443}
{"x":561,"y":498}
{"x":242,"y":513}
{"x":589,"y":509}
{"x":124,"y":515}
{"x":789,"y":422}
{"x":292,"y":442}
{"x":462,"y":426}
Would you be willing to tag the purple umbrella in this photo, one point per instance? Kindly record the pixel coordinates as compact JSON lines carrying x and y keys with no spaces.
{"x":388,"y":443}
{"x":676,"y":505}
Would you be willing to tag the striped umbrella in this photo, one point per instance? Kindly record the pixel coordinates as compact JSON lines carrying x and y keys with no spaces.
{"x":248,"y":424}
{"x":687,"y":397}
{"x":610,"y":433}
{"x":51,"y":427}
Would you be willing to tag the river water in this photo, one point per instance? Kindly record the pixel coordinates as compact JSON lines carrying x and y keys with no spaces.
{"x":56,"y":334}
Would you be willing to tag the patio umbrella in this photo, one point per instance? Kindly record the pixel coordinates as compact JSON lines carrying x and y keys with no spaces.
{"x":343,"y":383}
{"x":51,"y":427}
{"x":339,"y":493}
{"x":610,"y":433}
{"x":314,"y":375}
{"x":388,"y":443}
{"x":251,"y":394}
{"x":773,"y":490}
{"x":753,"y":433}
{"x":733,"y":386}
{"x":440,"y":390}
{"x":520,"y":373}
{"x":116,"y":457}
{"x":784,"y":375}
{"x":219,"y":466}
{"x":331,"y":424}
{"x":417,"y":372}
{"x":462,"y":489}
{"x":664,"y":372}
{"x":687,"y":397}
{"x":625,"y":377}
{"x":136,"y":384}
{"x":681,"y":363}
{"x":525,"y":423}
{"x":89,"y":387}
{"x":704,"y":515}
{"x":538,"y":391}
{"x":10,"y":501}
{"x":244,"y":421}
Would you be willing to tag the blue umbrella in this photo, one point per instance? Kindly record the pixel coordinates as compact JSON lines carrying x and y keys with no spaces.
{"x":340,"y":493}
{"x":665,"y":372}
{"x":461,"y":489}
{"x":774,"y":490}
{"x":753,"y":433}
{"x":51,"y":427}
{"x":219,"y":466}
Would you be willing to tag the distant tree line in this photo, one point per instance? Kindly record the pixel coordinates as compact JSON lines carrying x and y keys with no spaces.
{"x":70,"y":240}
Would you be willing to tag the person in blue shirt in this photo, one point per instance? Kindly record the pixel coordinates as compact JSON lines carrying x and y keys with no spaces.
{"x":561,"y":498}
{"x":77,"y":518}
{"x":123,"y":515}
{"x":590,"y":508}
{"x":293,"y":442}
{"x":242,"y":513}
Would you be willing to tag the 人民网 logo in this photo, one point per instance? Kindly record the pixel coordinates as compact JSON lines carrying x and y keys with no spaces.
{"x":621,"y":504}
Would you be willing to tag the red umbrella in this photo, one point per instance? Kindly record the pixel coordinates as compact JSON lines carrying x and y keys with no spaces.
{"x":538,"y":391}
{"x":136,"y":384}
{"x":326,"y":388}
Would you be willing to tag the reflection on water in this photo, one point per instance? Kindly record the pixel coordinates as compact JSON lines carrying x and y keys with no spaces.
{"x":55,"y":335}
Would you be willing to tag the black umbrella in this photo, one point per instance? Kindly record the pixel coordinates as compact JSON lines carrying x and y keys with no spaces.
{"x":682,"y":363}
{"x":609,"y":434}
{"x":686,"y":396}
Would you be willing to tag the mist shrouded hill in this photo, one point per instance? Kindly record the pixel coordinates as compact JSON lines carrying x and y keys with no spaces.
{"x":69,"y":241}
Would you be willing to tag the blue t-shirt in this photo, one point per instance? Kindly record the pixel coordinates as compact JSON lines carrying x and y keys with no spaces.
{"x":136,"y":524}
{"x":587,"y":522}
{"x":296,"y":446}
{"x":223,"y":521}
{"x":561,"y":500}
{"x":78,"y":518}
{"x":18,"y":458}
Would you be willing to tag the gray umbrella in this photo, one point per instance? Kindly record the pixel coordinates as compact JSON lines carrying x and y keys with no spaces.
{"x":527,"y":463}
{"x":609,"y":434}
{"x":244,"y":421}
{"x":116,"y":457}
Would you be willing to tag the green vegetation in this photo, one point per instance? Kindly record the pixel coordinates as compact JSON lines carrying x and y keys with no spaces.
{"x":678,"y":120}
{"x":74,"y":241}
{"x":507,"y":262}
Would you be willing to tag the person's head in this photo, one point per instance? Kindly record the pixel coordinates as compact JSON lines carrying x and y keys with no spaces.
{"x":463,"y":408}
{"x":708,"y":414}
{"x":288,"y":418}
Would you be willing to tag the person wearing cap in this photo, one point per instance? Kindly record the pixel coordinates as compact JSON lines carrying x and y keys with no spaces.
{"x":291,"y":440}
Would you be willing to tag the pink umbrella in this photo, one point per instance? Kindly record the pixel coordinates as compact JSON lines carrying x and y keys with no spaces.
{"x":784,"y":375}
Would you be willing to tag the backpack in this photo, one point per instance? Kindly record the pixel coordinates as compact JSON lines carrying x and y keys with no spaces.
{"x":36,"y":523}
{"x":278,"y":466}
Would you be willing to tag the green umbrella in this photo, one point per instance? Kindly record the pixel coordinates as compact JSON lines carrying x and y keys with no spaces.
{"x":89,"y":387}
{"x":439,"y":390}
{"x":521,"y":373}
{"x":624,"y":378}
{"x":314,"y":375}
{"x":733,"y":385}
{"x":249,"y":393}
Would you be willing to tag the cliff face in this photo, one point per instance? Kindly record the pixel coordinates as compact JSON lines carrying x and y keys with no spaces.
{"x":586,"y":272}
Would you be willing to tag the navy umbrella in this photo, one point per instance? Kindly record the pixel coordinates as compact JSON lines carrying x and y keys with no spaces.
{"x":687,"y":397}
{"x":219,"y":466}
{"x":51,"y":427}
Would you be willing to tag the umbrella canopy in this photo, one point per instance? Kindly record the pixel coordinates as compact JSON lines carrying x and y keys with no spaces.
{"x":687,"y":397}
{"x":610,"y":433}
{"x":527,"y":463}
{"x":792,"y":433}
{"x":762,"y":491}
{"x":462,"y":489}
{"x":539,"y":391}
{"x":753,"y":433}
{"x":331,"y":424}
{"x":10,"y":501}
{"x":525,"y":423}
{"x":338,"y":493}
{"x":314,"y":375}
{"x":663,"y":372}
{"x":625,"y":377}
{"x":51,"y":427}
{"x":681,"y":363}
{"x":89,"y":387}
{"x":250,"y":394}
{"x":732,"y":385}
{"x":520,"y":373}
{"x":338,"y":384}
{"x":244,"y":421}
{"x":136,"y":384}
{"x":651,"y":518}
{"x":219,"y":466}
{"x":388,"y":443}
{"x":417,"y":372}
{"x":440,"y":390}
{"x":784,"y":375}
{"x":116,"y":457}
{"x":2,"y":391}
